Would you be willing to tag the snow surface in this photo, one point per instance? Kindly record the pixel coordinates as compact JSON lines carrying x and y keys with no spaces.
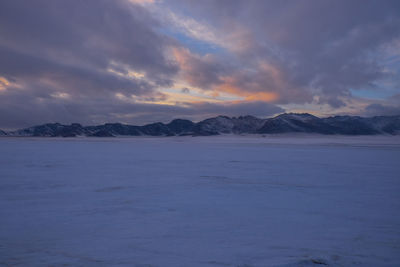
{"x":203,"y":201}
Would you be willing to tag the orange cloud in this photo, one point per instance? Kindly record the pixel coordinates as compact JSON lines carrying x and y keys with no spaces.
{"x":263,"y":96}
{"x":229,"y":87}
{"x":198,"y":71}
{"x":3,"y":83}
{"x":180,"y":55}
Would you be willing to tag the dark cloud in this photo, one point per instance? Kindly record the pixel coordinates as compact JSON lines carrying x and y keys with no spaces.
{"x":382,"y":110}
{"x":88,"y":32}
{"x":73,"y":44}
{"x":79,"y":50}
{"x":39,"y":73}
{"x":390,"y":108}
{"x":185,"y":90}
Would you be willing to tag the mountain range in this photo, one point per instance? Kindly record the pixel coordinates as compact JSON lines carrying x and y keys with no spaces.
{"x":284,"y":123}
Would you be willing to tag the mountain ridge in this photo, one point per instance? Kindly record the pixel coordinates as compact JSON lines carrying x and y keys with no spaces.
{"x":283,"y":123}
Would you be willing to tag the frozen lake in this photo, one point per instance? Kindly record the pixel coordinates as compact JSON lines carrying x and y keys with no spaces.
{"x":204,"y":201}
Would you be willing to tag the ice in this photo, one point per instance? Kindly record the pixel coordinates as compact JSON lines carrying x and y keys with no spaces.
{"x":200,"y":201}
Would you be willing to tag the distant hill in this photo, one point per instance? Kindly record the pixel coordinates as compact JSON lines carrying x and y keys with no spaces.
{"x":284,"y":123}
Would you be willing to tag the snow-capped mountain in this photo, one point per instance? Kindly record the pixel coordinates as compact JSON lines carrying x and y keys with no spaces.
{"x":284,"y":123}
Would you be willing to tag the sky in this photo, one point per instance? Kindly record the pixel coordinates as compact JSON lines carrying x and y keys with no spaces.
{"x":142,"y":61}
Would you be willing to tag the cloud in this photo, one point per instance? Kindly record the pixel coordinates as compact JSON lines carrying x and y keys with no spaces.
{"x":68,"y":61}
{"x":389,"y":108}
{"x":264,"y":82}
{"x":19,"y":109}
{"x":199,"y":71}
{"x":84,"y":52}
{"x":320,"y":48}
{"x":382,"y":110}
{"x":72,"y":45}
{"x":185,"y":90}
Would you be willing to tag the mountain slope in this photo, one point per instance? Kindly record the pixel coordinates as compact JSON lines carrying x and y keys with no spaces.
{"x":284,"y":123}
{"x":305,"y":123}
{"x":181,"y":127}
{"x":224,"y":125}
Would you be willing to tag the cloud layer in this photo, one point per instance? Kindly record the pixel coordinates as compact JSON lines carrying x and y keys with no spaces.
{"x":95,"y":61}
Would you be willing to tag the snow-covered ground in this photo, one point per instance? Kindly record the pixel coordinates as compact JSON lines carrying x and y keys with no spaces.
{"x":204,"y":201}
